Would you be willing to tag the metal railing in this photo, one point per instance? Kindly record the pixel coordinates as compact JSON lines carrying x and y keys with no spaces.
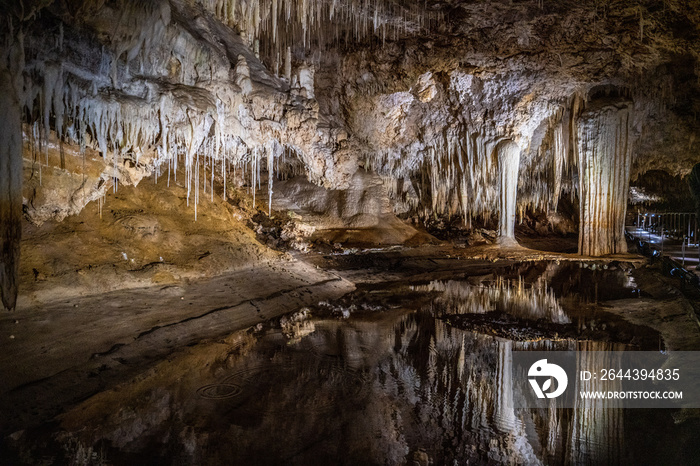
{"x":675,"y":225}
{"x":669,"y":265}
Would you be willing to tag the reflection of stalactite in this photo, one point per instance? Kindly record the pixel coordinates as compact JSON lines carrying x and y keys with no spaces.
{"x":464,"y":394}
{"x":604,"y":159}
{"x":412,"y":381}
{"x":534,"y":302}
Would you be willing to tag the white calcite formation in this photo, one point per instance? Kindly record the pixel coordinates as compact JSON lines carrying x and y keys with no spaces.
{"x":159,"y":86}
{"x":272,"y":27}
{"x":508,"y":164}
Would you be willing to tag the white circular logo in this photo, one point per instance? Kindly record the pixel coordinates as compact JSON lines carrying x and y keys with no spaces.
{"x":547,"y":372}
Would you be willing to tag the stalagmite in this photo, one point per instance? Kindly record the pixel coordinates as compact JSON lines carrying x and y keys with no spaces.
{"x":508,"y":163}
{"x":604,"y":159}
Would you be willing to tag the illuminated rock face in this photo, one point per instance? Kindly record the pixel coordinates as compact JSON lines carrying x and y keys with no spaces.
{"x":604,"y":159}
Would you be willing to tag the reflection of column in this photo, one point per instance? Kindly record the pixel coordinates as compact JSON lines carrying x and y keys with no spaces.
{"x":597,"y":426}
{"x":604,"y":158}
{"x":508,"y":164}
{"x":504,"y":412}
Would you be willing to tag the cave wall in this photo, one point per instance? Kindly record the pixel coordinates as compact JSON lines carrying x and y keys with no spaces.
{"x":11,"y":66}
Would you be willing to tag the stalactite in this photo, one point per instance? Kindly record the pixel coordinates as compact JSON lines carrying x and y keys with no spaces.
{"x":458,"y":174}
{"x":560,"y":150}
{"x":277,"y":24}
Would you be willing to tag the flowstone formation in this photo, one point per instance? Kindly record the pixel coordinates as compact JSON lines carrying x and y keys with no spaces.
{"x":482,"y":112}
{"x":604,"y":159}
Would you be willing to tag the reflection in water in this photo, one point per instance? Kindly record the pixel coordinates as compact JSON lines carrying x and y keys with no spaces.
{"x":522,"y":301}
{"x":350,"y":392}
{"x":390,"y":387}
{"x":597,"y":428}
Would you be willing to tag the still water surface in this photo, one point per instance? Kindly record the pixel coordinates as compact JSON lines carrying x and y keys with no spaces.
{"x":398,"y":383}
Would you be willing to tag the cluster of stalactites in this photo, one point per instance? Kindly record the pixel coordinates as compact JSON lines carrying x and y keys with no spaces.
{"x":476,"y":173}
{"x":457,"y":175}
{"x":121,"y":128}
{"x":586,"y":151}
{"x":126,"y":116}
{"x":272,"y":27}
{"x":553,"y":171}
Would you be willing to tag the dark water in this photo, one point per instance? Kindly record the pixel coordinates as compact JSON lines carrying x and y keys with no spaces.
{"x":544,"y":301}
{"x":386,"y":386}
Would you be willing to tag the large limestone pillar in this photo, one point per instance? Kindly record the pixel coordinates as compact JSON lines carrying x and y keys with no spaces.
{"x":604,"y":158}
{"x":508,"y":154}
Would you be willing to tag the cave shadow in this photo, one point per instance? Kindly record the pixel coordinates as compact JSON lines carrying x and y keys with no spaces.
{"x":567,"y":244}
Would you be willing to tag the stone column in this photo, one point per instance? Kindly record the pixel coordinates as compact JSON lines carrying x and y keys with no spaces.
{"x":508,"y":154}
{"x":604,"y":158}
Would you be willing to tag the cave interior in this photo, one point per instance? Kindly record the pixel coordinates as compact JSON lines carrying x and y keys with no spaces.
{"x":316,"y":231}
